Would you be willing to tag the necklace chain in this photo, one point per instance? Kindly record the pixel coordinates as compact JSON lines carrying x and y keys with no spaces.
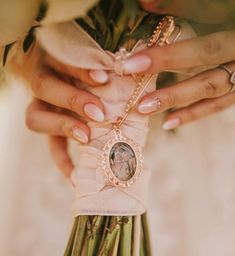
{"x":160,"y":36}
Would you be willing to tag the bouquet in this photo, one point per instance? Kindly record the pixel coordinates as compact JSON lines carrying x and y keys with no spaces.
{"x":113,"y":25}
{"x":110,"y":180}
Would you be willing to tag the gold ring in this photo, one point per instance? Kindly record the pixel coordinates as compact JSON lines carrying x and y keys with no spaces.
{"x":231,"y":75}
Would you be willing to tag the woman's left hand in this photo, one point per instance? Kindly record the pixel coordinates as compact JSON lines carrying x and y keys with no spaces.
{"x":196,"y":97}
{"x":202,"y":95}
{"x":59,"y":109}
{"x":206,"y":11}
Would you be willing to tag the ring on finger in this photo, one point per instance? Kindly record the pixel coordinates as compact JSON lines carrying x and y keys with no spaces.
{"x":231,"y":75}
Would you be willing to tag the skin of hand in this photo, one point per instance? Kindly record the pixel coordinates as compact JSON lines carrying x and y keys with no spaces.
{"x":198,"y":96}
{"x":58,"y":108}
{"x":206,"y":11}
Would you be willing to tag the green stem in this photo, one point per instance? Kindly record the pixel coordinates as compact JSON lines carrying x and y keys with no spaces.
{"x":146,"y":236}
{"x":119,"y":28}
{"x":105,"y":230}
{"x":136,"y":235}
{"x":79,"y":236}
{"x":142,"y":250}
{"x":84,"y":248}
{"x":109,"y":236}
{"x":116,"y":242}
{"x":69,"y":247}
{"x":109,"y":242}
{"x":126,"y":237}
{"x":94,"y":238}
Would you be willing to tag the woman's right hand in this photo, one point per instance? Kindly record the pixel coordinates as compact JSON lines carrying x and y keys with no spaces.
{"x":58,"y":108}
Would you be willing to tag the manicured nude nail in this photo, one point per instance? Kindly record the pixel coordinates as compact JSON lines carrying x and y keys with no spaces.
{"x":79,"y":134}
{"x":171,"y":124}
{"x":137,"y":64}
{"x":149,"y":105}
{"x":99,"y":76}
{"x":93,"y":112}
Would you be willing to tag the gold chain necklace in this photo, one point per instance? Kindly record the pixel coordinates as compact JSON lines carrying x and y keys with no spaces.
{"x":122,"y":158}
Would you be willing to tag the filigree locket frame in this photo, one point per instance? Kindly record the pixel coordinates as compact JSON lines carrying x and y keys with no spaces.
{"x":111,"y":179}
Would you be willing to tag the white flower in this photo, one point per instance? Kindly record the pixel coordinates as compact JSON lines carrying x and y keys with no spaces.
{"x":17,"y":16}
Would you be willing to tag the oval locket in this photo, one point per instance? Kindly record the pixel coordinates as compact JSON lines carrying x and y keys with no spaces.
{"x":122,"y":160}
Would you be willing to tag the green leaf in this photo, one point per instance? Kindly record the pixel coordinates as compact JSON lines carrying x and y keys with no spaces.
{"x":108,"y":41}
{"x":119,"y":29}
{"x":28,"y":41}
{"x":138,"y":21}
{"x":42,"y":11}
{"x":118,"y":23}
{"x":6,"y":52}
{"x":131,"y":7}
{"x":94,"y":33}
{"x":99,"y":17}
{"x":143,"y":32}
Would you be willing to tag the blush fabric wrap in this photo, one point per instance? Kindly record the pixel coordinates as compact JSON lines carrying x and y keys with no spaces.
{"x":70,"y":44}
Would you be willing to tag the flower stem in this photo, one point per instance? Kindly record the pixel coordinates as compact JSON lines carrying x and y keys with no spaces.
{"x":136,"y":235}
{"x":94,"y":233}
{"x":79,"y":236}
{"x":69,"y":247}
{"x":146,"y":236}
{"x":107,"y":247}
{"x":126,"y":236}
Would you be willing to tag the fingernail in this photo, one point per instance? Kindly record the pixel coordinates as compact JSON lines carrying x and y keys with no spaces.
{"x":79,"y":134}
{"x":149,"y":105}
{"x":137,"y":64}
{"x":99,"y":76}
{"x":93,"y":112}
{"x":171,"y":124}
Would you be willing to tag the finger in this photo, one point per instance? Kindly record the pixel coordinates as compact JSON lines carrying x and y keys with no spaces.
{"x":198,"y":110}
{"x":90,"y":77}
{"x":59,"y":151}
{"x":212,"y":12}
{"x":49,"y":88}
{"x":209,"y":84}
{"x":39,"y":119}
{"x":212,"y":49}
{"x":177,"y":8}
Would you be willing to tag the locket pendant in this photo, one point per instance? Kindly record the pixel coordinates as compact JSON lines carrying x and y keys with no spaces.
{"x":122,"y":160}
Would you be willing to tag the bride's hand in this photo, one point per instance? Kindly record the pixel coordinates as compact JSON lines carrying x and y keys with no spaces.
{"x":207,"y":11}
{"x":51,"y":84}
{"x":58,"y":108}
{"x":196,"y":97}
